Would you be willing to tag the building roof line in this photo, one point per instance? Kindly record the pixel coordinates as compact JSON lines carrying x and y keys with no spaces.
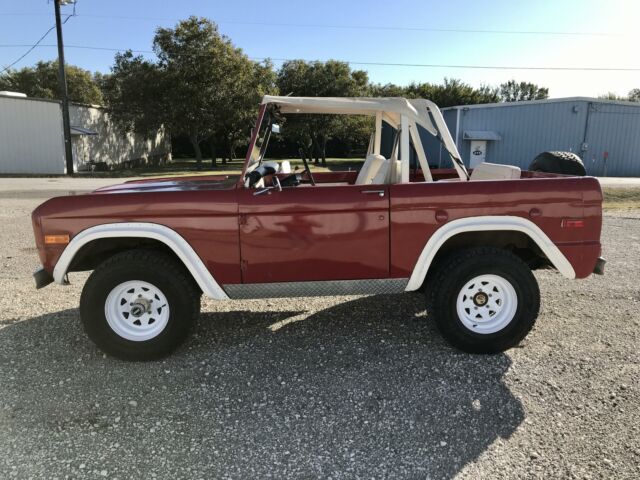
{"x":53,"y":100}
{"x":545,"y":101}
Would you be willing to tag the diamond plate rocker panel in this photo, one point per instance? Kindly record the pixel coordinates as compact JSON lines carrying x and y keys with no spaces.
{"x":316,"y":289}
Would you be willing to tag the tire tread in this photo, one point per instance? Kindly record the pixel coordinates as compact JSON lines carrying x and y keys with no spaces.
{"x":159,"y":260}
{"x":439,"y":280}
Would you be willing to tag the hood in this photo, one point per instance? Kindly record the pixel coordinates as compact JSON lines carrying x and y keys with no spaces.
{"x":173,"y":184}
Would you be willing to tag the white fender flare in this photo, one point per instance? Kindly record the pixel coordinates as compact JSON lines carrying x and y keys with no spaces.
{"x":166,"y":235}
{"x":483,"y":224}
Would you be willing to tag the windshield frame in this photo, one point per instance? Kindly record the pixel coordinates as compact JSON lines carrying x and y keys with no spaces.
{"x":249,"y":160}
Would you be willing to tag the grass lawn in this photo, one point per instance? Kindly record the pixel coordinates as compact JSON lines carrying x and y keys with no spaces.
{"x":623,"y":198}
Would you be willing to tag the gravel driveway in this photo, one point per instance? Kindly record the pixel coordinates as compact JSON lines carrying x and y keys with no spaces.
{"x":340,"y":387}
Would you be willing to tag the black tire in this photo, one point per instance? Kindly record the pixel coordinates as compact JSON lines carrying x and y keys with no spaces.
{"x":155,"y":268}
{"x":566,"y":163}
{"x":455,"y":272}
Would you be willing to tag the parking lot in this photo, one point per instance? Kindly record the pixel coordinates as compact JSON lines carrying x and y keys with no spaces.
{"x":337,"y":387}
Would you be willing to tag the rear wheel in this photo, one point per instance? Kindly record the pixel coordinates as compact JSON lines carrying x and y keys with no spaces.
{"x":139,"y":305}
{"x":483,"y":300}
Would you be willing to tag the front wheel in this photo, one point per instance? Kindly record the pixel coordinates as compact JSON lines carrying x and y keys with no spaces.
{"x":484,"y":300}
{"x":139,"y":305}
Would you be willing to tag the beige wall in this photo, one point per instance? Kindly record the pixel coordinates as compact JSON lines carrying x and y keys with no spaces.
{"x":111,"y":145}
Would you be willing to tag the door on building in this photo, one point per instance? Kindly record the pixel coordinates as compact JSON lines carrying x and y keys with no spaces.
{"x":478,"y":152}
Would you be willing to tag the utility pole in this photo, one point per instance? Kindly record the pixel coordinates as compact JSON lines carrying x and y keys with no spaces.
{"x":66,"y":123}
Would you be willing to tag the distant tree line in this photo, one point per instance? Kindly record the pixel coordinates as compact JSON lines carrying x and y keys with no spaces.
{"x":633,"y":96}
{"x":205,"y":90}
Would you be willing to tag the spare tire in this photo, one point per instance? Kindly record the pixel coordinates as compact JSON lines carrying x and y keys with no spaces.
{"x":566,"y":163}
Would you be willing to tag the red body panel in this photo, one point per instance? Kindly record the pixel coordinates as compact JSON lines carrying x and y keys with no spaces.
{"x":314,"y":233}
{"x":207,"y":219}
{"x":414,"y":206}
{"x":327,"y":232}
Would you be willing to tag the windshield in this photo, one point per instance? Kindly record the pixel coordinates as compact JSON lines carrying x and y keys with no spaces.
{"x":261,"y":143}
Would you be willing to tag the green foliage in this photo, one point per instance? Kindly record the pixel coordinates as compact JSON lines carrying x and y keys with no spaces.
{"x":612,"y":96}
{"x":133,"y":92}
{"x":320,"y":79}
{"x":513,"y":91}
{"x":41,"y":81}
{"x":448,"y":94}
{"x":634,"y":96}
{"x":201,"y":86}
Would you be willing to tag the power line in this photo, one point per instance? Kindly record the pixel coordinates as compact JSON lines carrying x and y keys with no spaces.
{"x":354,"y":27}
{"x":32,"y":47}
{"x":377,"y":64}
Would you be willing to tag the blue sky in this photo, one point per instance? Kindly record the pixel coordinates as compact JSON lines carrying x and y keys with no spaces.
{"x":608,"y":36}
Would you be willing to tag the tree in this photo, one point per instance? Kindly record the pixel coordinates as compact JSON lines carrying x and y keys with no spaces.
{"x":318,"y":79}
{"x":237,"y":112}
{"x":634,"y":95}
{"x":200,"y":86}
{"x":448,"y":94}
{"x":134,"y":94}
{"x":612,"y":96}
{"x":41,"y":81}
{"x":513,"y":91}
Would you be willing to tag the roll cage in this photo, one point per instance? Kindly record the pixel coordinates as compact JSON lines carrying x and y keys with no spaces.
{"x":404,"y":115}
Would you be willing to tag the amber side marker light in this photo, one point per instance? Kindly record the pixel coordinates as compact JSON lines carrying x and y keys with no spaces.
{"x":572,"y":223}
{"x":56,"y":239}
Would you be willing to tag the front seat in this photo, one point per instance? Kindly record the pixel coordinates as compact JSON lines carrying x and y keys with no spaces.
{"x":370,"y":169}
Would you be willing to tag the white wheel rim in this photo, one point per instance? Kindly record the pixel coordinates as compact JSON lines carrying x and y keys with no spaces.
{"x":136,"y":310}
{"x":486,"y":304}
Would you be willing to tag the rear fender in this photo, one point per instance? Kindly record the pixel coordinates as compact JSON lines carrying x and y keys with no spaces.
{"x":483,"y":224}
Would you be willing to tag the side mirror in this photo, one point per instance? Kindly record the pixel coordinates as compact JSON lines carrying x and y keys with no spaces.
{"x":275,"y":128}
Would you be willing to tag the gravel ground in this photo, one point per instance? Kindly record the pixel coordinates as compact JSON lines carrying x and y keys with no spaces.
{"x":340,"y":387}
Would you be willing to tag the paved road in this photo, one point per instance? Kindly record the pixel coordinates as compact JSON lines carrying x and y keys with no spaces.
{"x":339,"y":387}
{"x":43,"y":187}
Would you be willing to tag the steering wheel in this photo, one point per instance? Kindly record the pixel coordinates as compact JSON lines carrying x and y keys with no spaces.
{"x":306,"y":167}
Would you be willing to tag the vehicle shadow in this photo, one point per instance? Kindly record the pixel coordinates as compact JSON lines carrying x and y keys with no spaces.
{"x":366,"y":388}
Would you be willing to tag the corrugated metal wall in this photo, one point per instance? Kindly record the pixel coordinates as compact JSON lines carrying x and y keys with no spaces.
{"x":530,"y":128}
{"x":614,"y":129}
{"x":30,"y":136}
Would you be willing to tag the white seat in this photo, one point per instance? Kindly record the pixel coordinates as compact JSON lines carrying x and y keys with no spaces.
{"x":395,"y":173}
{"x":494,"y":171}
{"x":370,"y":169}
{"x":382,"y":176}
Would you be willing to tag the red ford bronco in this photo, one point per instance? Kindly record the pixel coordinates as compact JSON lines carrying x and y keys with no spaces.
{"x":468,"y":239}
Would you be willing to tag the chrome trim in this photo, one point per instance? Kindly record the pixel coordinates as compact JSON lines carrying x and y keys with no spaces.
{"x":380,"y":193}
{"x":316,"y":289}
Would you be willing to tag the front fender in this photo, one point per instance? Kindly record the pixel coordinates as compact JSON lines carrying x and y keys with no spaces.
{"x":166,"y":235}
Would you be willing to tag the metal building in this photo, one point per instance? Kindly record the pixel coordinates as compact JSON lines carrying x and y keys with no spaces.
{"x":32,"y":141}
{"x":604,"y":133}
